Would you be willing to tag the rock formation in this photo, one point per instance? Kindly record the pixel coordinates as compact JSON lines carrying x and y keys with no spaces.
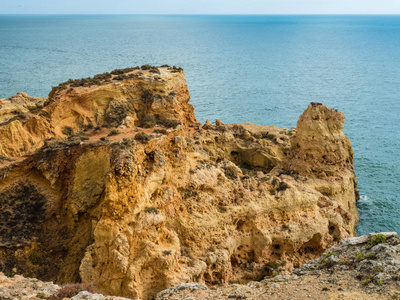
{"x":364,"y":267}
{"x":121,"y":187}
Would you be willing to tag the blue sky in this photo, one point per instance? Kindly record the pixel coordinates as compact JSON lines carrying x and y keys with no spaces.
{"x":200,"y":7}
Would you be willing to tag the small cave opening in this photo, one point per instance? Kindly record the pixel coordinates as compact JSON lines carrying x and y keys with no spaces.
{"x":244,"y":254}
{"x":277,"y":250}
{"x":313,"y":246}
{"x":334,"y":231}
{"x":234,"y":157}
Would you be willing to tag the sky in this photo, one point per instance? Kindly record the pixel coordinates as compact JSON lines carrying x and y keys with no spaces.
{"x":200,"y":7}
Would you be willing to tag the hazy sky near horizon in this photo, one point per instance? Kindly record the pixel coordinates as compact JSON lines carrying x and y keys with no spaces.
{"x":200,"y":7}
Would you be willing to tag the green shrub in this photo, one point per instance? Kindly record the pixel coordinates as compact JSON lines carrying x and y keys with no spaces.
{"x":375,"y":240}
{"x":114,"y":132}
{"x":377,"y":269}
{"x":149,"y":121}
{"x":147,"y":67}
{"x":366,"y":281}
{"x":162,"y":131}
{"x":127,"y":143}
{"x":155,"y":70}
{"x":176,"y":69}
{"x":123,"y":71}
{"x":142,"y":136}
{"x":88,"y":126}
{"x":120,"y":77}
{"x":104,"y":139}
{"x":370,"y":255}
{"x":171,"y":123}
{"x":360,"y":256}
{"x":68,"y":130}
{"x":102,"y":76}
{"x":330,"y":254}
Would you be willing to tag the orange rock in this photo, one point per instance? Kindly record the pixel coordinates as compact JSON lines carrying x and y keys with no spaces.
{"x":148,"y":211}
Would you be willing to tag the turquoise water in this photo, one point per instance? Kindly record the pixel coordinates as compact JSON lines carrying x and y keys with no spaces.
{"x":262,"y":69}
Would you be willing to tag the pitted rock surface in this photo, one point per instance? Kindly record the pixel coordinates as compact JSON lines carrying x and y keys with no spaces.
{"x":137,"y":196}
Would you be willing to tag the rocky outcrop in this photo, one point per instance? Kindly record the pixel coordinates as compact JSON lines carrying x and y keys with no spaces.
{"x":365,"y":267}
{"x":16,"y":107}
{"x":162,"y":200}
{"x":120,"y":100}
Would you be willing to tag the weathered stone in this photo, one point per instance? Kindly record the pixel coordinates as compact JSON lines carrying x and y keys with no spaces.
{"x":136,"y":212}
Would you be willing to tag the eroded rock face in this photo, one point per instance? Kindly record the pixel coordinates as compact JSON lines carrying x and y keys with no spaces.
{"x":363,"y":267}
{"x":18,"y":105}
{"x":112,"y":103}
{"x":152,"y":208}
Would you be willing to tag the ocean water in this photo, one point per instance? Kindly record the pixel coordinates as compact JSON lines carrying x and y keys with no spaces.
{"x":261,"y":69}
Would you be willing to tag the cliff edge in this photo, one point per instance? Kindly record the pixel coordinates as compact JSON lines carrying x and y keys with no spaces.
{"x":112,"y":181}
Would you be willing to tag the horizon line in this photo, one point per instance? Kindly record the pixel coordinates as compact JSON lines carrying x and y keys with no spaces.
{"x":190,"y":14}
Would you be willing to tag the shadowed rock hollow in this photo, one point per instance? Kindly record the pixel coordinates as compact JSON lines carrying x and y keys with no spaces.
{"x":163,"y":200}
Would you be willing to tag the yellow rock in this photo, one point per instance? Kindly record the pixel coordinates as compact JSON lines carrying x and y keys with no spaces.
{"x":227,"y":203}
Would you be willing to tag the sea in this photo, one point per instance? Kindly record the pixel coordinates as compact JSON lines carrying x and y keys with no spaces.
{"x":260,"y":68}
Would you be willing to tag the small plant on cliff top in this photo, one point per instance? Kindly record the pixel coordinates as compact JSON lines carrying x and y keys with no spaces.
{"x":377,"y":269}
{"x":155,"y":70}
{"x":330,"y":254}
{"x":366,"y":281}
{"x":176,"y":69}
{"x":375,"y":240}
{"x":379,"y":282}
{"x":360,"y":256}
{"x":370,"y":255}
{"x":347,"y":261}
{"x":40,"y":295}
{"x":147,"y":67}
{"x":323,"y":263}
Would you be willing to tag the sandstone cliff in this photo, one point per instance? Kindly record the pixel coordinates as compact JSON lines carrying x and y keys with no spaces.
{"x":162,"y":200}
